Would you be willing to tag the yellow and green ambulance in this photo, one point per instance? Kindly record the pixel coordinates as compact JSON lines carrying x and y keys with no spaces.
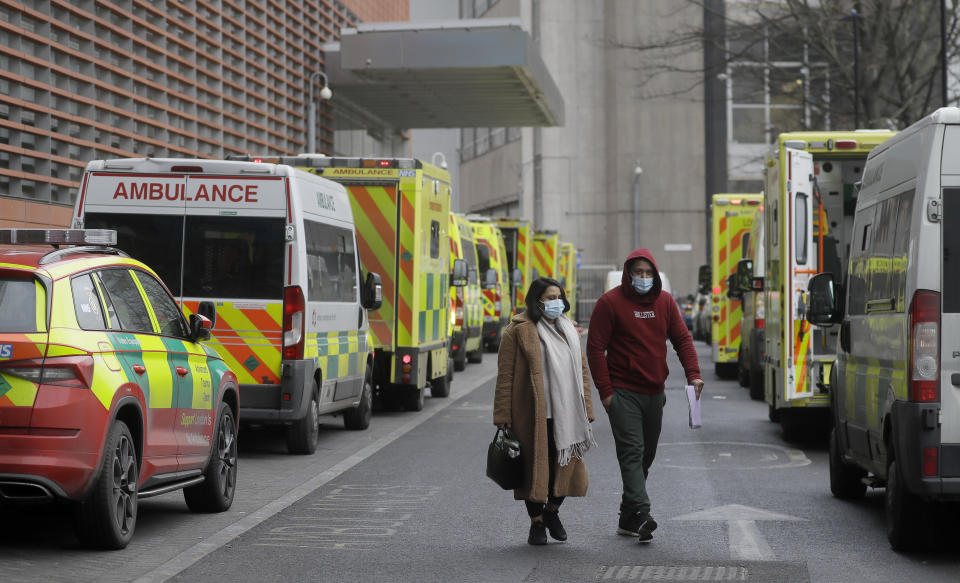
{"x":546,"y":254}
{"x":466,"y":301}
{"x":518,"y":242}
{"x":567,"y":275}
{"x":494,"y":273}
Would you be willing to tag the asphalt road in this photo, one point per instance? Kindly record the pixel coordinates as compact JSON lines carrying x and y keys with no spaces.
{"x":407,"y":500}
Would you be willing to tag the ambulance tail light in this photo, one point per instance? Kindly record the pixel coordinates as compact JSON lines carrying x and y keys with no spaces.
{"x":759,"y":312}
{"x":846,"y":144}
{"x":294,"y":308}
{"x":924,"y":386}
{"x":458,"y":312}
{"x":64,"y":371}
{"x":496,"y":302}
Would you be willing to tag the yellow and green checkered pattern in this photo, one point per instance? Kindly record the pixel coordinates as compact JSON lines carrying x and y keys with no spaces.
{"x":339,"y":354}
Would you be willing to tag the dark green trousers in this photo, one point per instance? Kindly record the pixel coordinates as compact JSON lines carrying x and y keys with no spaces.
{"x":635,"y":419}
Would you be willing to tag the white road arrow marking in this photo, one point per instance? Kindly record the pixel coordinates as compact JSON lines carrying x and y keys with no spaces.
{"x":746,"y":542}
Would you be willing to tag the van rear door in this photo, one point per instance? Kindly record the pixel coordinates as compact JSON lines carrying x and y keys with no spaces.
{"x":802,"y":262}
{"x":950,"y":320}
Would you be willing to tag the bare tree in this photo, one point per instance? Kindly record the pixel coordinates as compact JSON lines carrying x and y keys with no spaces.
{"x":803,"y":53}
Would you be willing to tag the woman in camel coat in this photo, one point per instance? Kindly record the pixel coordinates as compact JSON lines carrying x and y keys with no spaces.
{"x":539,"y":397}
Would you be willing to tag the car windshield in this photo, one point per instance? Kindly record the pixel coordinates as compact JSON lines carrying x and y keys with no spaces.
{"x":22,"y":305}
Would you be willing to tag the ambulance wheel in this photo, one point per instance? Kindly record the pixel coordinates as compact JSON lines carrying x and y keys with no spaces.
{"x":440,"y":387}
{"x":358,"y":418}
{"x":790,"y":426}
{"x":215,"y":493}
{"x":903,"y":511}
{"x":475,"y":357}
{"x":303,"y":435}
{"x":845,"y":480}
{"x":107,"y":518}
{"x":460,"y":361}
{"x":413,"y":399}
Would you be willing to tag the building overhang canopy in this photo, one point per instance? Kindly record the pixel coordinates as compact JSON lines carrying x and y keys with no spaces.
{"x":444,"y":74}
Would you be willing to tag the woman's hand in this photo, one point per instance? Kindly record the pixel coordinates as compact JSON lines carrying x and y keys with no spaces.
{"x":606,"y":403}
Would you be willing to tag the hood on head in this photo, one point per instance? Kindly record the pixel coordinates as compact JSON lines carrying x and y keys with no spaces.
{"x":627,"y":282}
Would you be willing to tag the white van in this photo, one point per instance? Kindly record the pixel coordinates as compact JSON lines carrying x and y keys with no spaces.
{"x":275,"y":249}
{"x":896,"y":384}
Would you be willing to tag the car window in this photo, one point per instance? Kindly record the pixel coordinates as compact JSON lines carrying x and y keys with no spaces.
{"x":125,"y":296}
{"x":22,"y":305}
{"x":169,"y":317}
{"x":87,"y":304}
{"x":331,"y":262}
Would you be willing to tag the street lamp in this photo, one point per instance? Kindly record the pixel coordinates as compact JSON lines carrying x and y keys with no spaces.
{"x":637,"y":171}
{"x":855,"y":19}
{"x":325,"y":94}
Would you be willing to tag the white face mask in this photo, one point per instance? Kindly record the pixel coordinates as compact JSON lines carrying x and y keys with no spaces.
{"x":553,"y":308}
{"x":642,"y":284}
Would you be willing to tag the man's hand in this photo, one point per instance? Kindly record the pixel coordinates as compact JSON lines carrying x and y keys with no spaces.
{"x":698,"y":386}
{"x":606,"y":403}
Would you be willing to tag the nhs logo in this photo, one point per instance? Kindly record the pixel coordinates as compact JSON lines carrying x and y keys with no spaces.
{"x":6,"y":351}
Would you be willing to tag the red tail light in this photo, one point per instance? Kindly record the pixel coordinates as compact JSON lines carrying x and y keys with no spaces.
{"x":294,"y":309}
{"x":924,"y":385}
{"x":758,"y":323}
{"x":496,"y":302}
{"x":458,"y":311}
{"x":930,"y":465}
{"x":63,"y":371}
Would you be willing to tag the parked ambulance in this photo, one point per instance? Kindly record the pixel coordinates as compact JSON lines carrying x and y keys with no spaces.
{"x":896,"y":384}
{"x":809,"y":201}
{"x":492,"y":255}
{"x":466,"y":301}
{"x":732,"y":219}
{"x":275,"y":249}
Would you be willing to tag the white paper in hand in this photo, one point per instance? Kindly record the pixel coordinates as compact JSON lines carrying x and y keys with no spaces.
{"x":693,"y":406}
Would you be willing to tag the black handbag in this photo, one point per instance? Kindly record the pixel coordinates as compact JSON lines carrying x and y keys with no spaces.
{"x":504,"y":463}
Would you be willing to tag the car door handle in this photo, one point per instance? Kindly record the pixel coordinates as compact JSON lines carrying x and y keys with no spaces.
{"x":139,"y":368}
{"x":182,"y":371}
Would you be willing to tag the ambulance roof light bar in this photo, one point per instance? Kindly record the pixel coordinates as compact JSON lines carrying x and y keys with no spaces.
{"x":58,"y":237}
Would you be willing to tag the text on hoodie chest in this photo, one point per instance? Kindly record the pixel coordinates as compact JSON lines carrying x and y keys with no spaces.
{"x":644,"y":314}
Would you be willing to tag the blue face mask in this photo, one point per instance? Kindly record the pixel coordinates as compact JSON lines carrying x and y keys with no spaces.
{"x":553,"y":308}
{"x":642,"y":284}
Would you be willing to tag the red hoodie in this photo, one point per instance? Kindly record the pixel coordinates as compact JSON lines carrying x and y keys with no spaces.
{"x":626,"y":344}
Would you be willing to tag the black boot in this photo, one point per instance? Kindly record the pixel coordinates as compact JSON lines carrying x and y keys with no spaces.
{"x":552,"y":521}
{"x":538,"y":533}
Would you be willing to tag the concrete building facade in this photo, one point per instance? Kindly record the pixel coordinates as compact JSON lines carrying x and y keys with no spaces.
{"x":581,"y":179}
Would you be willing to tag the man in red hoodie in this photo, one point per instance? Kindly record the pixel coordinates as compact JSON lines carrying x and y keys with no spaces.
{"x":627,"y":353}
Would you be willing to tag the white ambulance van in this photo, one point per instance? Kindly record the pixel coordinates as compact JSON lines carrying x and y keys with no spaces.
{"x":895,"y":389}
{"x":275,"y":249}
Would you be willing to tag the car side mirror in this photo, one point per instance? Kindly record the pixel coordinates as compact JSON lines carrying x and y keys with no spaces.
{"x":459,"y":278}
{"x":208,"y":310}
{"x":372,"y":296}
{"x":822,"y":302}
{"x":200,"y":327}
{"x":490,"y":279}
{"x":516,"y":278}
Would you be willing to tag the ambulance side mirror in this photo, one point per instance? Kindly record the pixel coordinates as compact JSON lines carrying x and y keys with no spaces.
{"x":208,"y":310}
{"x":823,"y":300}
{"x":372,"y":294}
{"x":459,"y":278}
{"x":516,"y":278}
{"x":490,"y":279}
{"x":733,"y":290}
{"x":744,"y":275}
{"x":200,"y":327}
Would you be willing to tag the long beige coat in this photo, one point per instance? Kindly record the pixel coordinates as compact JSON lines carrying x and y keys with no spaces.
{"x":519,"y":400}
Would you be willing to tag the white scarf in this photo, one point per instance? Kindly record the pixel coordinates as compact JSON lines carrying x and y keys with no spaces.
{"x":563,"y":379}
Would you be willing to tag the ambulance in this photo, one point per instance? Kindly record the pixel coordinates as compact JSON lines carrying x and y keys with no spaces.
{"x":546,"y":254}
{"x":809,"y":201}
{"x":896,"y":383}
{"x":731,"y":219}
{"x":466,"y":302}
{"x":402,"y":208}
{"x":567,"y":275}
{"x":518,"y":241}
{"x":491,"y":254}
{"x":275,"y":250}
{"x":750,"y":275}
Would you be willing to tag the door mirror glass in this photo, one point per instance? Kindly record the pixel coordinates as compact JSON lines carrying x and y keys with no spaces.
{"x":516,"y":279}
{"x":823,"y":297}
{"x":490,"y":279}
{"x":372,"y":296}
{"x":744,"y":275}
{"x":459,"y":278}
{"x":733,"y":291}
